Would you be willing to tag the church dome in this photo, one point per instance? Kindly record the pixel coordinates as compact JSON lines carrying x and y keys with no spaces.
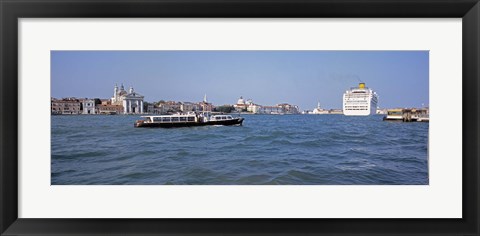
{"x":241,"y":101}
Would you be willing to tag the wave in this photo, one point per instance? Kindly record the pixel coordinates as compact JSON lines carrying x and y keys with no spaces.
{"x":265,"y":150}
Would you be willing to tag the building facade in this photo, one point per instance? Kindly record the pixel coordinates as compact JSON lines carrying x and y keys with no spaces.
{"x":109,"y":109}
{"x":88,"y":107}
{"x":168,"y":107}
{"x":270,"y":110}
{"x":131,"y":101}
{"x":65,"y":106}
{"x":189,"y":106}
{"x":288,"y":108}
{"x":283,"y":108}
{"x":205,"y":105}
{"x":241,"y":105}
{"x":254,"y":108}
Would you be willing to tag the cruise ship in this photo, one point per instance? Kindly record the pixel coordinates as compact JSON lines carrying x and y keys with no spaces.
{"x":360,"y":101}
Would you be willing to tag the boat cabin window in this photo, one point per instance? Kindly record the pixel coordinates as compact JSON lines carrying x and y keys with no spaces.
{"x":183,"y":118}
{"x":394,"y":113}
{"x":223,"y":117}
{"x":191,"y":118}
{"x":175,"y":119}
{"x":165,"y":119}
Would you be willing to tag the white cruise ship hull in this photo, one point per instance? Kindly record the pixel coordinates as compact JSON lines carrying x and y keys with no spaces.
{"x":367,"y":112}
{"x":360,"y":101}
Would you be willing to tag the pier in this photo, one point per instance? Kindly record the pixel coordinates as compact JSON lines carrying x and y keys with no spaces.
{"x":408,"y":115}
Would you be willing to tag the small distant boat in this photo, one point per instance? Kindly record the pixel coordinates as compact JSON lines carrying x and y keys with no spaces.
{"x":187,"y":120}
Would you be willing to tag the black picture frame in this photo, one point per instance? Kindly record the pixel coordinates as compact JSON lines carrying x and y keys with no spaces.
{"x":11,"y":11}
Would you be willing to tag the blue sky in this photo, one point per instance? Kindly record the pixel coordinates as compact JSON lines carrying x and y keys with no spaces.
{"x":267,"y":77}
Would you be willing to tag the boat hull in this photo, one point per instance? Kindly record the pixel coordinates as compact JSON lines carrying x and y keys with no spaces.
{"x":236,"y":121}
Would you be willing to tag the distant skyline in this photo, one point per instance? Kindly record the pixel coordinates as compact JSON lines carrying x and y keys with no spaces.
{"x":303,"y":78}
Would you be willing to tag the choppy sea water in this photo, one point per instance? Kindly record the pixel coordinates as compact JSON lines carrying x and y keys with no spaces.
{"x":266,"y":150}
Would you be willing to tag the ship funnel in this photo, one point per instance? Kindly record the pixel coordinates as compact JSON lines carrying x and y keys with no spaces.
{"x":361,"y":85}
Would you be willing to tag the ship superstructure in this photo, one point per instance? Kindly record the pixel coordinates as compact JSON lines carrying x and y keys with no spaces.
{"x":360,"y":101}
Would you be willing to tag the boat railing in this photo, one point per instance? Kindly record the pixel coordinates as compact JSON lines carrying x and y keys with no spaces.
{"x":421,"y":115}
{"x":357,"y":88}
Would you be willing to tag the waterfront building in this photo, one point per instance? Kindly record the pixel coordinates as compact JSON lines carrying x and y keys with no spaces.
{"x":248,"y":106}
{"x":105,"y":101}
{"x":241,"y":105}
{"x":109,"y":109}
{"x":168,"y":107}
{"x":118,"y":95}
{"x":189,"y":106}
{"x":88,"y":106}
{"x":131,"y":101}
{"x":65,"y":106}
{"x":271,"y":110}
{"x":205,"y":105}
{"x":359,"y":101}
{"x":289,"y":109}
{"x":282,"y":108}
{"x":318,"y":110}
{"x":150,"y":109}
{"x":254,"y":108}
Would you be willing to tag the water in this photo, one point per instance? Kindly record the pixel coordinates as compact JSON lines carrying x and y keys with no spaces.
{"x":267,"y":149}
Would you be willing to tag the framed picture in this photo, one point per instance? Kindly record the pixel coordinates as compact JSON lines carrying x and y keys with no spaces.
{"x":261,"y":118}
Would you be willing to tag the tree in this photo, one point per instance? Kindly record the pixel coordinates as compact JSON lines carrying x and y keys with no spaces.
{"x":159,"y":102}
{"x":145,"y":105}
{"x":225,"y":109}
